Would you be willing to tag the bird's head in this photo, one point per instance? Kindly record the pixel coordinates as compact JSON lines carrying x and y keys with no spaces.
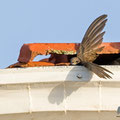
{"x":74,"y":61}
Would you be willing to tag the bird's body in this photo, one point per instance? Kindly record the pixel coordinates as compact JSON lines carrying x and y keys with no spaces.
{"x":89,"y":47}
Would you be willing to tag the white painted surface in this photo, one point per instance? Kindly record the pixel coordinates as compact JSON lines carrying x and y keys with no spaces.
{"x":56,"y":93}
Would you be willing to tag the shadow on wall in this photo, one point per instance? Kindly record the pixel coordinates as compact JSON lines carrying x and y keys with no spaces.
{"x":76,"y":78}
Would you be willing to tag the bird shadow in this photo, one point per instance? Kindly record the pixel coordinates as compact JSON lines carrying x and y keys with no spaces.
{"x":77,"y":77}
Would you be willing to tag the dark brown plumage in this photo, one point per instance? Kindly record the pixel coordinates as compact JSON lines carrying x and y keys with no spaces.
{"x":90,"y":45}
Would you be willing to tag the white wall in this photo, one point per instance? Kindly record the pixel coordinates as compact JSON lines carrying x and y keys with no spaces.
{"x":56,"y":93}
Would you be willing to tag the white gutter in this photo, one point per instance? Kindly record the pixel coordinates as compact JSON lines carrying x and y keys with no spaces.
{"x":61,"y":92}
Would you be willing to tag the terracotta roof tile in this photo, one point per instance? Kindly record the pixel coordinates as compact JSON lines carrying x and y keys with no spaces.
{"x":29,"y":51}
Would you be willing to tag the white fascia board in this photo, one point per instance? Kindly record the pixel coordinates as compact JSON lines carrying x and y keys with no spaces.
{"x":58,"y":89}
{"x":53,"y":74}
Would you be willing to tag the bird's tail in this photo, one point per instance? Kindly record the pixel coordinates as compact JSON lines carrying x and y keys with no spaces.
{"x":98,"y":70}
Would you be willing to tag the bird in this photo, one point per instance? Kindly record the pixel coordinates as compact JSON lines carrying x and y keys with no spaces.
{"x":89,"y":47}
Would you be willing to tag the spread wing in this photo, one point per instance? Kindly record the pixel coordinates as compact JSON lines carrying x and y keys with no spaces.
{"x":98,"y":70}
{"x":92,"y":39}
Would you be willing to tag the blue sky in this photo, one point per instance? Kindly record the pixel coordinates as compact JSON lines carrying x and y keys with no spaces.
{"x":51,"y":21}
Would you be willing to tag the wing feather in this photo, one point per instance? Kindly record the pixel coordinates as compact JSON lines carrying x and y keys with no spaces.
{"x":94,"y":34}
{"x":94,"y":24}
{"x":92,"y":39}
